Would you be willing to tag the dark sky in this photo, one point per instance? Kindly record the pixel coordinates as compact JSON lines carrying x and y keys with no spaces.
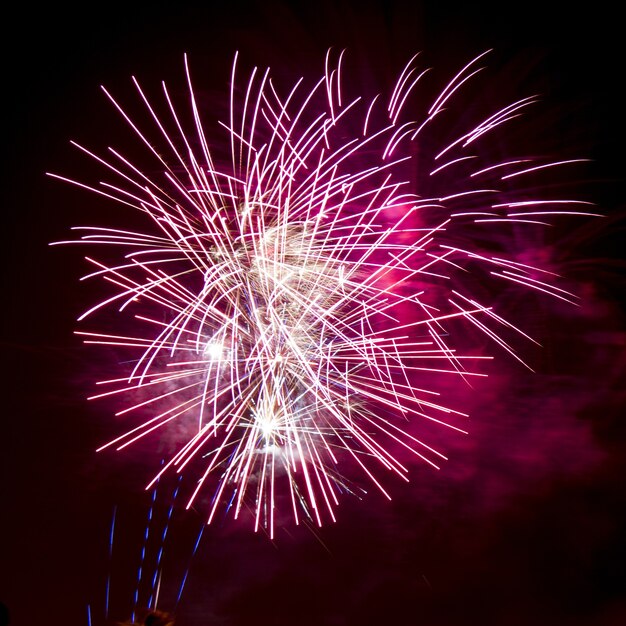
{"x":526,"y":524}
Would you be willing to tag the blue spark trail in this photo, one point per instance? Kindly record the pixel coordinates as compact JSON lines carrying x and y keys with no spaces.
{"x":160,"y":554}
{"x":108,"y":586}
{"x":143,"y":553}
{"x":195,"y":549}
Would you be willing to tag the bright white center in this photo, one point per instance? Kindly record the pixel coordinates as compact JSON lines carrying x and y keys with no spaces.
{"x":267,"y":428}
{"x":213,"y":350}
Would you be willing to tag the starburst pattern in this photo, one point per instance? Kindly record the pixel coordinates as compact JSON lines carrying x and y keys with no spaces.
{"x":292,"y":299}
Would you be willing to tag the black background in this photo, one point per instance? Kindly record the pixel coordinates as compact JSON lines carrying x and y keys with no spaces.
{"x":531,"y":531}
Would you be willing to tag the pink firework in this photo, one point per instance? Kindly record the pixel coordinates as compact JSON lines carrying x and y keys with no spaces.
{"x":291,"y":293}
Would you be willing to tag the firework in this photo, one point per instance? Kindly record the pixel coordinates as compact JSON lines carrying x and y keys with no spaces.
{"x":291,"y":294}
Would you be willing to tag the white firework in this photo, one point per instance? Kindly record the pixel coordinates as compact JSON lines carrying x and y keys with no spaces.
{"x":290,"y":299}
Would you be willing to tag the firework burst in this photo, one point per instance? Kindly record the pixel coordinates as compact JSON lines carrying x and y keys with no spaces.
{"x":293,"y":294}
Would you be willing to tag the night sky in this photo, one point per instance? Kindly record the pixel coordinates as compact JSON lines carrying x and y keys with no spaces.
{"x":525,"y":524}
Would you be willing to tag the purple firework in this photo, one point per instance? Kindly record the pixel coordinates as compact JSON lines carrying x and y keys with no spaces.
{"x":292,"y":294}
